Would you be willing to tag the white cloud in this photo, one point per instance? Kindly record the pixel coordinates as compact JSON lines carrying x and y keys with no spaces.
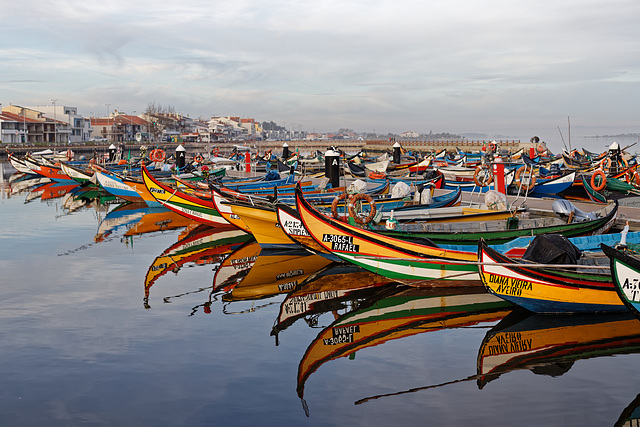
{"x":387,"y":65}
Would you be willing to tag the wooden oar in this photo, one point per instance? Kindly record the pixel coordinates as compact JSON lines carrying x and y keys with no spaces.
{"x":413,"y":390}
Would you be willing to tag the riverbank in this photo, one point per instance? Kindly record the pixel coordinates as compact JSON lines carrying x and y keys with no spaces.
{"x":305,"y":147}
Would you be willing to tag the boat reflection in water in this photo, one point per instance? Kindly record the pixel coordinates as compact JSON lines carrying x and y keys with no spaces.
{"x":236,"y":266}
{"x":198,"y":245}
{"x":89,"y":196}
{"x":549,"y":345}
{"x":328,"y":290}
{"x":274,"y":272}
{"x":401,"y":312}
{"x":26,"y":183}
{"x":630,"y":416}
{"x":138,"y":218}
{"x":55,"y":190}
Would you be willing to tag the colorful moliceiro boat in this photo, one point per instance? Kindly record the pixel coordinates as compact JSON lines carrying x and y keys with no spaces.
{"x":505,"y":230}
{"x":625,"y":271}
{"x":545,"y":288}
{"x":191,"y":205}
{"x":388,"y":256}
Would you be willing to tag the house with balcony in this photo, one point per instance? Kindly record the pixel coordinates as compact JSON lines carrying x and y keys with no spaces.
{"x":130,"y":128}
{"x":36,"y":127}
{"x":253,"y":128}
{"x":226,"y":129}
{"x":13,"y":129}
{"x":103,"y":127}
{"x":69,"y":125}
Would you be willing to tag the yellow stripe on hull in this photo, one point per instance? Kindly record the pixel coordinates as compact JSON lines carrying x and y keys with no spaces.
{"x":332,"y":237}
{"x":263,"y":224}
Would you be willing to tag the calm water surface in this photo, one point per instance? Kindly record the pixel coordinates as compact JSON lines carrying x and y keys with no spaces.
{"x":121,"y":316}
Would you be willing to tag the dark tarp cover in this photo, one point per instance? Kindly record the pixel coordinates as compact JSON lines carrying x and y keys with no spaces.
{"x":552,"y":249}
{"x":356,"y":169}
{"x":282,"y":167}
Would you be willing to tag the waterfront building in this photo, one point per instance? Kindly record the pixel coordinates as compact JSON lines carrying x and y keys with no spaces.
{"x":69,"y":125}
{"x":28,"y":125}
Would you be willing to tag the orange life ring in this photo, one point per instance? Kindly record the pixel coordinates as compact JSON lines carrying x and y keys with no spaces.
{"x":603,"y":181}
{"x":352,"y":211}
{"x":157,"y":155}
{"x":334,"y":204}
{"x":492,"y":146}
{"x":69,"y":155}
{"x":377,"y":175}
{"x":624,"y":161}
{"x":540,"y":149}
{"x":488,"y":180}
{"x":215,"y":152}
{"x":198,"y":159}
{"x":636,"y":179}
{"x":629,"y":176}
{"x":526,"y":170}
{"x":605,"y":163}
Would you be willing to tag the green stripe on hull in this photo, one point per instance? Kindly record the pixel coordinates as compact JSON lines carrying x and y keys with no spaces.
{"x":398,"y":307}
{"x":414,"y":270}
{"x":210,"y":215}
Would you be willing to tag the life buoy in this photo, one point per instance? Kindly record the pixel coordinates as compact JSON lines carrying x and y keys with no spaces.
{"x":69,"y":155}
{"x":377,"y":175}
{"x":352,"y":211}
{"x":528,"y":170}
{"x":492,"y":146}
{"x":636,"y":179}
{"x":540,"y":149}
{"x":198,"y":159}
{"x":603,"y":180}
{"x":215,"y":152}
{"x":605,"y":163}
{"x":629,"y":176}
{"x":487,"y":176}
{"x":157,"y":155}
{"x":334,"y":204}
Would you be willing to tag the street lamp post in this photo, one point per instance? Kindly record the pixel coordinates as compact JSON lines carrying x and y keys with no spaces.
{"x":24,"y":125}
{"x":108,"y":112}
{"x":55,"y":126}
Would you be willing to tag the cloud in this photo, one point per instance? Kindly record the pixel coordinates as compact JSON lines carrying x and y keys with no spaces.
{"x":376,"y":64}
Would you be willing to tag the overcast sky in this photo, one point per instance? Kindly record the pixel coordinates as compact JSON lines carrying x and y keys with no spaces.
{"x":496,"y":67}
